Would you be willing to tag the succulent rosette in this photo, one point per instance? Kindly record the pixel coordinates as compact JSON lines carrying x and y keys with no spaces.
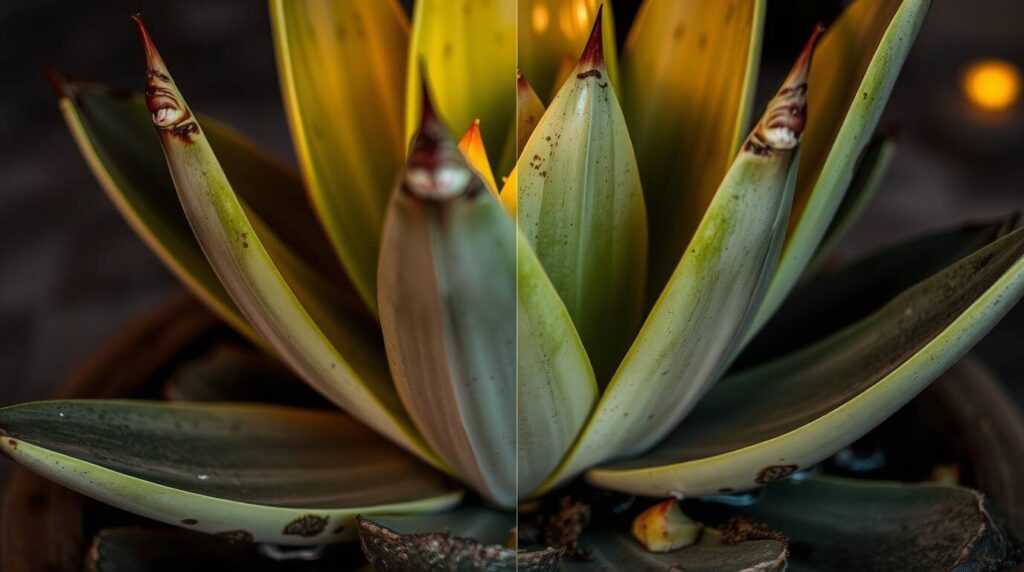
{"x":517,"y":258}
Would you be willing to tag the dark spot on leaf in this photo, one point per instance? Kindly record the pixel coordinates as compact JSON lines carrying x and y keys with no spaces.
{"x":726,"y":490}
{"x":190,"y":521}
{"x":773,"y":473}
{"x":306,"y":526}
{"x":588,"y":73}
{"x":236,"y":535}
{"x":339,"y":530}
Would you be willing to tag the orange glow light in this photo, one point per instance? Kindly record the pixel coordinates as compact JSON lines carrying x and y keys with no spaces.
{"x":992,"y":85}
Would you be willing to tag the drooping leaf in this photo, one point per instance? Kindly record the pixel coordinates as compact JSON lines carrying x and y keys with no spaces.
{"x":255,"y":472}
{"x":469,"y":538}
{"x":764,"y":424}
{"x":556,"y":389}
{"x":447,"y":292}
{"x":845,"y":524}
{"x":468,"y":51}
{"x":553,"y":32}
{"x":343,"y":66}
{"x":694,"y":327}
{"x":838,"y":298}
{"x":855,"y":70}
{"x":612,"y":550}
{"x":285,"y":301}
{"x":472,"y":147}
{"x":689,"y":72}
{"x":529,"y":110}
{"x":871,"y":169}
{"x":115,"y":134}
{"x":578,"y":200}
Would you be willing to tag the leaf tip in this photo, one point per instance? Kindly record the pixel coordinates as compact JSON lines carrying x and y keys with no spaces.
{"x":592,"y":57}
{"x":58,"y":83}
{"x":435,"y":169}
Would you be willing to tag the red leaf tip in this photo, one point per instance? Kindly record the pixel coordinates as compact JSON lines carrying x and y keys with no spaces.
{"x":593,"y":54}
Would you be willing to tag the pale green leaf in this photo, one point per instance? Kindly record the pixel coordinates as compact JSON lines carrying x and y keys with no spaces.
{"x":556,"y":387}
{"x":689,"y":72}
{"x":468,"y":51}
{"x":692,"y":331}
{"x":763,"y":424}
{"x":846,"y":524}
{"x":342,"y":65}
{"x":853,"y":74}
{"x":115,"y":135}
{"x":578,"y":200}
{"x":447,"y":292}
{"x":553,"y":31}
{"x":284,"y":299}
{"x":529,"y":110}
{"x":265,"y":473}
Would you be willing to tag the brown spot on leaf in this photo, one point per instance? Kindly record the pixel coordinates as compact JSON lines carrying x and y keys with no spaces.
{"x":726,"y":490}
{"x":306,"y":526}
{"x":589,"y":73}
{"x":236,"y":535}
{"x":339,"y":530}
{"x":190,"y":521}
{"x":773,"y":473}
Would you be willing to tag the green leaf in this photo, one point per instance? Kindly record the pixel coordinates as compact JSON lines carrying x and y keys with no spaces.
{"x":837,"y":298}
{"x":447,"y":292}
{"x":269,"y":474}
{"x":763,"y":424}
{"x":845,"y":524}
{"x":298,"y":313}
{"x":614,"y":549}
{"x":871,"y":169}
{"x":693,"y":329}
{"x":853,"y":74}
{"x":552,"y":30}
{"x":468,"y":52}
{"x":689,"y":76}
{"x":556,"y":389}
{"x":342,"y":66}
{"x":578,"y":200}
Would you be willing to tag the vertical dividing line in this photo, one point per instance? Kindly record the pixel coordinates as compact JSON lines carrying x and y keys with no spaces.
{"x":515,"y":130}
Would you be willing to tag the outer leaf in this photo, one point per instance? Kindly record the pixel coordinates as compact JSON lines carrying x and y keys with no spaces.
{"x":552,"y":32}
{"x":844,"y":524}
{"x":280,"y":296}
{"x":115,"y":134}
{"x":860,"y":57}
{"x":579,"y":203}
{"x":447,"y":291}
{"x":693,"y":329}
{"x":841,"y":297}
{"x":556,"y":388}
{"x":870,"y":171}
{"x":703,"y":58}
{"x":614,"y":550}
{"x":764,"y":424}
{"x":468,"y":50}
{"x":263,"y":473}
{"x":342,"y":66}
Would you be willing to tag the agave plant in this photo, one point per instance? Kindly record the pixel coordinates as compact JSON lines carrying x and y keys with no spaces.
{"x":490,"y":339}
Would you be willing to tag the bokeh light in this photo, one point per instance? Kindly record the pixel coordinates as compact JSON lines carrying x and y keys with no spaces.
{"x":992,"y":85}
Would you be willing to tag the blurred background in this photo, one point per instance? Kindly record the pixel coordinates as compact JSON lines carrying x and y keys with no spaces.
{"x":72,"y":272}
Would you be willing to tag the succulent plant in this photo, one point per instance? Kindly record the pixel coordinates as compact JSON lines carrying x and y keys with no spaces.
{"x":592,"y":311}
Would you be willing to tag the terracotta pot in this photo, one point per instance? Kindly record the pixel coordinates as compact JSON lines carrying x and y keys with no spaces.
{"x":44,"y":526}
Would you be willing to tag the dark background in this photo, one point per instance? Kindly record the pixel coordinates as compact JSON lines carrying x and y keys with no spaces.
{"x":72,"y":273}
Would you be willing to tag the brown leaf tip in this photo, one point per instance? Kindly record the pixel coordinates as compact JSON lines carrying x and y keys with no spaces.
{"x":592,"y":57}
{"x":436,"y":169}
{"x":169,"y":113}
{"x":785,"y":118}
